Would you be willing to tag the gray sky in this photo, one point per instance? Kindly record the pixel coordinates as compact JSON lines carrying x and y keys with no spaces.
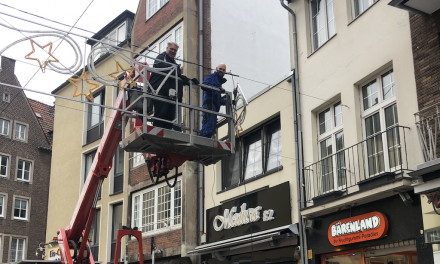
{"x":99,"y":14}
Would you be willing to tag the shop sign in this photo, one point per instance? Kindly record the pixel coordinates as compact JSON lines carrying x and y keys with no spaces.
{"x":357,"y":229}
{"x":54,"y":254}
{"x":255,"y":212}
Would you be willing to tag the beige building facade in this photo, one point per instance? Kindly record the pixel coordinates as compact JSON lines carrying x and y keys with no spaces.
{"x":358,"y":96}
{"x":79,"y":130}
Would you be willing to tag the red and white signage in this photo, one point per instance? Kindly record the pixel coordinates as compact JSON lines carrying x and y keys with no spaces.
{"x":358,"y":228}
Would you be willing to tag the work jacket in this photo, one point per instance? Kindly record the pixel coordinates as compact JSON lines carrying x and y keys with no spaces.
{"x":156,"y":79}
{"x":215,"y":80}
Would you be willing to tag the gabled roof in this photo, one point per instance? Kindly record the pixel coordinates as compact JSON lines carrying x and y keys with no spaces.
{"x":110,"y":26}
{"x":45,"y":116}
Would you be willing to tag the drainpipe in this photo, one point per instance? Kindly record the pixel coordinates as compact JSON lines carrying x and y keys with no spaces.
{"x":298,"y":138}
{"x":200,"y":181}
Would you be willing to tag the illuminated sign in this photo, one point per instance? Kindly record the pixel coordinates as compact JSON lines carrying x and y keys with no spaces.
{"x":232,"y":219}
{"x":357,"y":229}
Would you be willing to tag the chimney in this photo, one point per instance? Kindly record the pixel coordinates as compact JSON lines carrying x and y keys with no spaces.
{"x":8,"y":66}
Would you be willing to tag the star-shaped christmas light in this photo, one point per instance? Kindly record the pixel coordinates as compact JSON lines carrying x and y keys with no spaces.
{"x":42,"y":66}
{"x":83,"y":75}
{"x":118,"y":66}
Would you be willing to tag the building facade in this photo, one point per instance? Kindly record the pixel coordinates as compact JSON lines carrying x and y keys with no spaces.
{"x":25,"y":158}
{"x":358,"y":96}
{"x":81,"y":127}
{"x":425,"y":27}
{"x":172,"y":218}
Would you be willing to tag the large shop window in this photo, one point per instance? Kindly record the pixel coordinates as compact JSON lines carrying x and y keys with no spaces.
{"x":380,"y":115}
{"x":158,"y":208}
{"x":95,"y":118}
{"x":94,"y":234}
{"x":330,"y":145}
{"x":256,"y":154}
{"x":17,"y":250}
{"x":175,"y":34}
{"x":323,"y":21}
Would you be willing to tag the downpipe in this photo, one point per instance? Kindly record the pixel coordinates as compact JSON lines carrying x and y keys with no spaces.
{"x":298,"y":137}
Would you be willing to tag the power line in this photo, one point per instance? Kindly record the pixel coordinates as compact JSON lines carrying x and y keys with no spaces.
{"x":146,"y":48}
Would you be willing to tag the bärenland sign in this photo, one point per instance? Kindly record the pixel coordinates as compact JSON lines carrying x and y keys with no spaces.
{"x":359,"y":228}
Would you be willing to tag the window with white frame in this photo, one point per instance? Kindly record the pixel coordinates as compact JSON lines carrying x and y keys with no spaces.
{"x":24,"y":170}
{"x":158,"y":208}
{"x":323,"y":21}
{"x":20,"y":131}
{"x":331,"y":146}
{"x":115,"y":37}
{"x":153,"y":6}
{"x":380,"y":122}
{"x":175,"y":35}
{"x":138,"y":159}
{"x":17,"y":250}
{"x":6,"y":97}
{"x":2,"y":205}
{"x":21,"y":208}
{"x":359,"y":6}
{"x":4,"y":166}
{"x":4,"y":127}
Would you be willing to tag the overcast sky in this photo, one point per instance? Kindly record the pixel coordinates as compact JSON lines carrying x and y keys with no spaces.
{"x":99,"y":14}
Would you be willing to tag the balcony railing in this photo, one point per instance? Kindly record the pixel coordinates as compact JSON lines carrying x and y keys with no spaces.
{"x":383,"y":153}
{"x":428,"y":128}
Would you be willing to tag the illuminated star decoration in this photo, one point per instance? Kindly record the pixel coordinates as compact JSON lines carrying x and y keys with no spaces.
{"x":118,"y":66}
{"x":42,"y":66}
{"x":83,"y":75}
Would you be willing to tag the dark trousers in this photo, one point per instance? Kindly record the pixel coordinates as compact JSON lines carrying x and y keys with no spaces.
{"x":164,"y":111}
{"x":209,"y":123}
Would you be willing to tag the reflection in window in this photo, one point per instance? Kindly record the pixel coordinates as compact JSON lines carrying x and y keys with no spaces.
{"x":254,"y":164}
{"x":370,"y":95}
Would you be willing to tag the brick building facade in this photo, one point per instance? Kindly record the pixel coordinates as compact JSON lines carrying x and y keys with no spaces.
{"x":25,"y":153}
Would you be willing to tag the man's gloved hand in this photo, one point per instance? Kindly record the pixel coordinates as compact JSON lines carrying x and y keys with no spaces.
{"x":195,"y":81}
{"x":222,"y":90}
{"x":185,"y":79}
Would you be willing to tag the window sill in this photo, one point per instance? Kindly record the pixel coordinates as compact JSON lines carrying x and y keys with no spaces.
{"x":274,"y":170}
{"x":115,"y":193}
{"x":155,"y":12}
{"x":23,"y":181}
{"x":88,"y":143}
{"x":21,"y":219}
{"x":159,"y":231}
{"x":328,"y":40}
{"x":362,"y":13}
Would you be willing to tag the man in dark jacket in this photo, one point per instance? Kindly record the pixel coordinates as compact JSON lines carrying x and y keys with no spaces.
{"x":212,"y":100}
{"x":161,"y":109}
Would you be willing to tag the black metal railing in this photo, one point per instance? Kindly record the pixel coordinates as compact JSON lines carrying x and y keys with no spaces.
{"x":383,"y":153}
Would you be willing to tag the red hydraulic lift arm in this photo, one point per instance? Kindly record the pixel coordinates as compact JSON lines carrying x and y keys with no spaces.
{"x":101,"y":166}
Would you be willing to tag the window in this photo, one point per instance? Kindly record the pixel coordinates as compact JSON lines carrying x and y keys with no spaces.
{"x":94,"y":234}
{"x":323,"y":21}
{"x":20,"y":131}
{"x":17,"y":250}
{"x":138,"y":159}
{"x":117,"y":36}
{"x":380,"y":121}
{"x":175,"y":34}
{"x":256,"y":154}
{"x":118,"y":179}
{"x":4,"y":127}
{"x":116,"y":224}
{"x":4,"y":162}
{"x":95,"y":118}
{"x":153,"y":6}
{"x":331,"y":146}
{"x":88,"y":165}
{"x":359,"y":6}
{"x":158,"y":208}
{"x":21,"y":209}
{"x":2,"y":205}
{"x":6,"y":97}
{"x":24,"y":170}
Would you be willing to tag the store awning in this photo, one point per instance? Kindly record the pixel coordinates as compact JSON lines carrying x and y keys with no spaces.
{"x":272,"y":238}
